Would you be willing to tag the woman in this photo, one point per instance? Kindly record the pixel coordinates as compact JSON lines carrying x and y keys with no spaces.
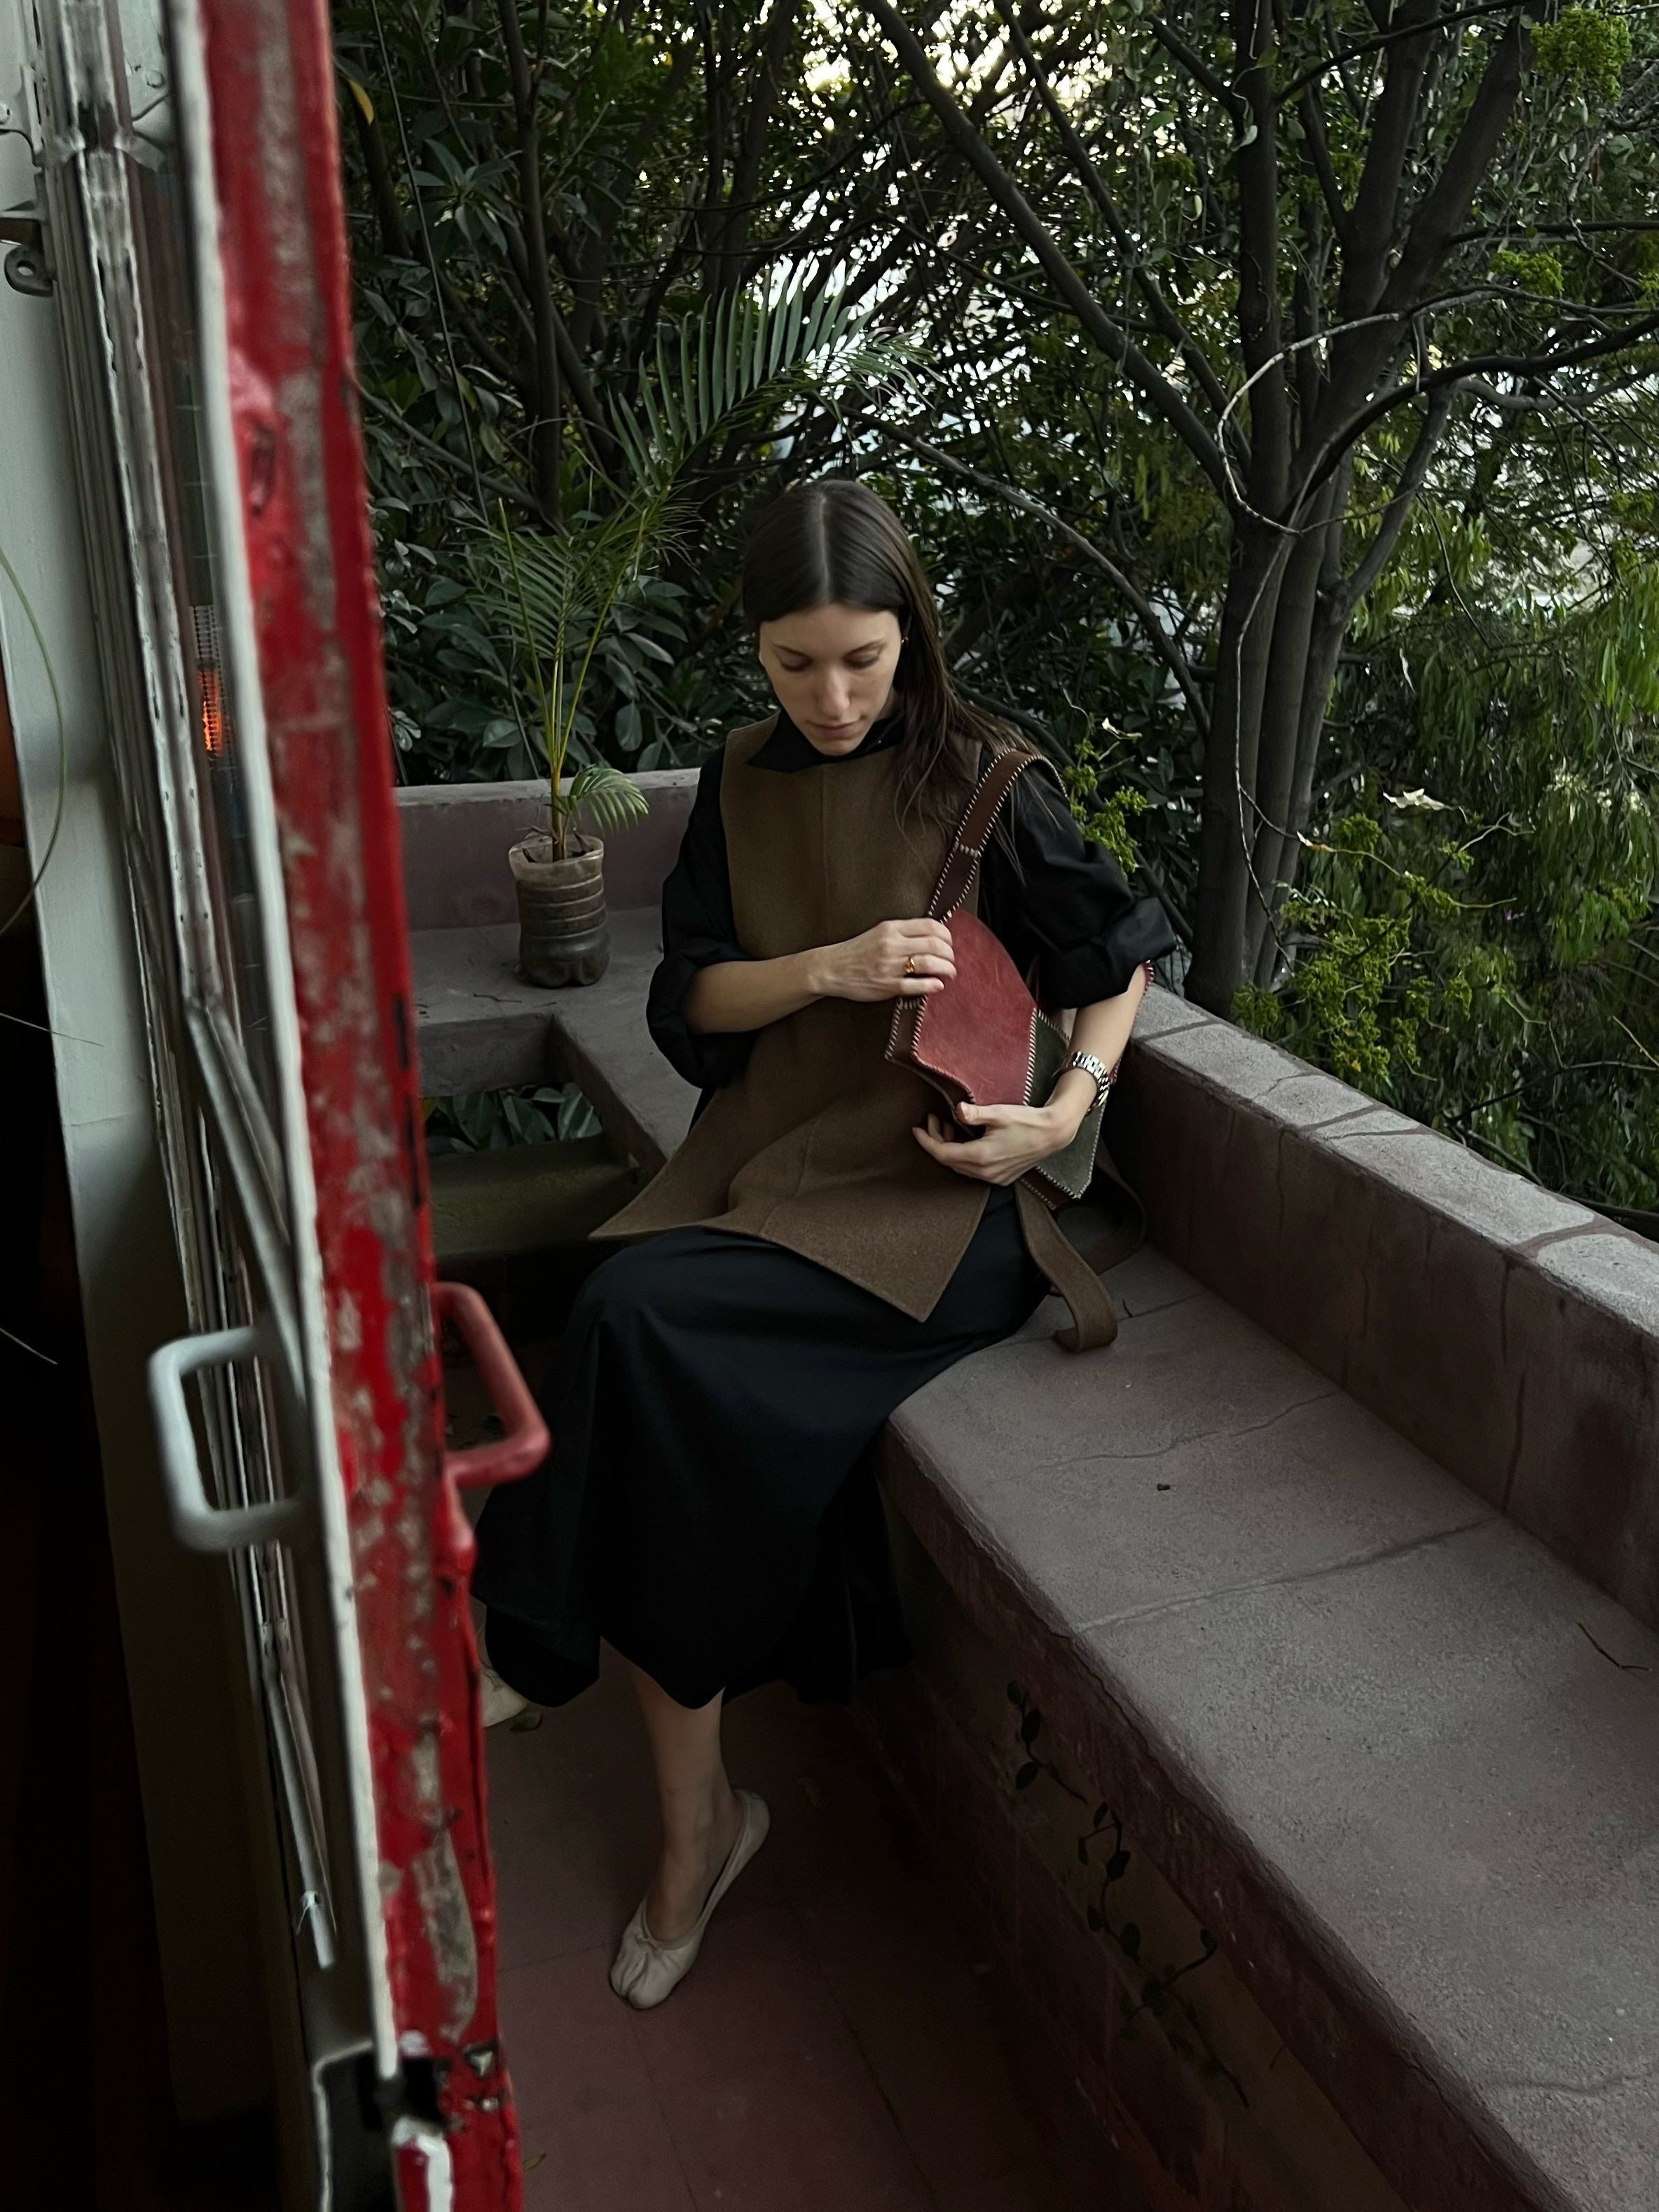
{"x":823,"y":1244}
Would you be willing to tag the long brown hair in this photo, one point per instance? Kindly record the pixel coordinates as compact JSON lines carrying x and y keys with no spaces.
{"x":835,"y":542}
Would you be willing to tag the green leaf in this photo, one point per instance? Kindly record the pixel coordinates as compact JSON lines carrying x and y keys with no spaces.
{"x":611,"y":801}
{"x":577,"y":1116}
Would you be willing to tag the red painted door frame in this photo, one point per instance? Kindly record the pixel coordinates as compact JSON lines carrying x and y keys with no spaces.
{"x":268,"y":73}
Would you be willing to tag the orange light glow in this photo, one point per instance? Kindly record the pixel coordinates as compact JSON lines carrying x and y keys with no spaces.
{"x":212,"y":710}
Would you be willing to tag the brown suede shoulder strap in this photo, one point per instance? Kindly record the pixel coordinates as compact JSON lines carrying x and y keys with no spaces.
{"x":1094,"y":1317}
{"x":974,"y":831}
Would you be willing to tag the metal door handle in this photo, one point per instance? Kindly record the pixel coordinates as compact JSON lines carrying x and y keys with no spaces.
{"x":525,"y":1444}
{"x":198,"y":1524}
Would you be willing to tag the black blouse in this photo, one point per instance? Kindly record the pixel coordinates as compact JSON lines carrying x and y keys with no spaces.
{"x":1064,"y":909}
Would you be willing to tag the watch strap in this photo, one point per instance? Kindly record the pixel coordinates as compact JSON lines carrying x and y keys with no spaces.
{"x":1091,"y":1066}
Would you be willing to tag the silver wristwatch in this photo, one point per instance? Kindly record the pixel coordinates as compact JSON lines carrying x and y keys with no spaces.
{"x":1097,"y":1068}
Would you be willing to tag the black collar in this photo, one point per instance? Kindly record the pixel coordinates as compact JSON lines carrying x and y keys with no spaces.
{"x":789,"y":748}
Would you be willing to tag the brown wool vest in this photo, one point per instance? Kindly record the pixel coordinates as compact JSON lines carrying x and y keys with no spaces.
{"x":810,"y":1146}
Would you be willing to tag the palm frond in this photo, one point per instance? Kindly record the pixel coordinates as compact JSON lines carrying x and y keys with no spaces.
{"x":558,"y":588}
{"x":710,"y":368}
{"x":705,"y":374}
{"x":611,"y":800}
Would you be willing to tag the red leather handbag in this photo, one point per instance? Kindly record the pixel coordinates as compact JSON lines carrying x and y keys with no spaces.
{"x":983,"y":1041}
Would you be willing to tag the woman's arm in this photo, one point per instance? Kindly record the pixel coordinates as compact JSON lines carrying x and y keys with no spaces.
{"x":708,"y":1000}
{"x":894,"y":960}
{"x":1064,"y":910}
{"x":698,"y":930}
{"x":1017,"y":1138}
{"x":1060,"y":904}
{"x":1103,"y":1030}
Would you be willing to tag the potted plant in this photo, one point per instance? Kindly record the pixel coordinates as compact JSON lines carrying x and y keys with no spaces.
{"x":565,"y":588}
{"x":562,"y":592}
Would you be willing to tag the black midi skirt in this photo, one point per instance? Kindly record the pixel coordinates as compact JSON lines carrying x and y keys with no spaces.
{"x":709,"y":1505}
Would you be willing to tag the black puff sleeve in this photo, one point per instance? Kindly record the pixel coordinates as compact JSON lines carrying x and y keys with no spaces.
{"x":1064,"y":910}
{"x":697,"y":931}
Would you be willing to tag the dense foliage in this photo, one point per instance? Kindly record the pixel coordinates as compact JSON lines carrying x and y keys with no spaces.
{"x":1281,"y":427}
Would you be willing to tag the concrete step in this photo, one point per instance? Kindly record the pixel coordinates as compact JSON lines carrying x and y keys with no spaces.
{"x":525,"y":1198}
{"x":1401,"y":1760}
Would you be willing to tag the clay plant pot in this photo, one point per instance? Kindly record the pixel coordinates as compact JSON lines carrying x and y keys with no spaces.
{"x":564,"y":937}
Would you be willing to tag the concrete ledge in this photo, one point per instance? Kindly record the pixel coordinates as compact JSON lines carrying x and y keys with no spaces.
{"x":1402,"y":1762}
{"x":526,"y":1199}
{"x":456,"y":835}
{"x":1512,"y":1336}
{"x":479,"y":1026}
{"x":1510,"y":1333}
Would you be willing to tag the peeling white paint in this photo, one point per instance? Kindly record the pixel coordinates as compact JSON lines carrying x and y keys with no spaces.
{"x":432,"y":2148}
{"x":448,"y":1918}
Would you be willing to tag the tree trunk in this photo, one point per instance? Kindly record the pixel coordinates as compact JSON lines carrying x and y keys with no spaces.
{"x":1227,"y":838}
{"x":1330,"y":627}
{"x":1282,"y":722}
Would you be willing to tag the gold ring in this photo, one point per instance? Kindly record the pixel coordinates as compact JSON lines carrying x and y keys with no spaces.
{"x":910,"y":965}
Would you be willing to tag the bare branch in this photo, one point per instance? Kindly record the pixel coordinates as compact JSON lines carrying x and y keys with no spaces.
{"x":1340,"y":59}
{"x":1256,"y":163}
{"x":1386,"y":536}
{"x":762,"y":99}
{"x":1319,"y":161}
{"x":1444,"y":208}
{"x":1522,"y":366}
{"x":1198,"y":69}
{"x":394,"y":239}
{"x":1557,"y":229}
{"x":1374,"y":218}
{"x":1109,"y":334}
{"x":1156,"y":636}
{"x":544,"y":415}
{"x":1163,"y":315}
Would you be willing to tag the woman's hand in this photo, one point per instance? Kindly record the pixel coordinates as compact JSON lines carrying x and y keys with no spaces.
{"x":894,"y":960}
{"x":1016,"y":1137}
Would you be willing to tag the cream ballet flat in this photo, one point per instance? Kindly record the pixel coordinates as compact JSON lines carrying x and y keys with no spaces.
{"x":499,"y":1702}
{"x":646,"y":1969}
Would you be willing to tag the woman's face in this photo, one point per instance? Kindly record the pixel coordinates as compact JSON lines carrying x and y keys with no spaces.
{"x":832,"y":669}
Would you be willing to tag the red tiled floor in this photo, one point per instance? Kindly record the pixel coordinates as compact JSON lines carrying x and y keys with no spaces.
{"x":593,"y":2136}
{"x":766,"y":2092}
{"x":1033,"y":2189}
{"x":585,"y":2053}
{"x":834,"y":2050}
{"x":619,"y":2158}
{"x":921,"y":2016}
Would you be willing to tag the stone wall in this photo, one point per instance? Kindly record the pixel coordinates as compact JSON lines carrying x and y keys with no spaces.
{"x":456,"y":837}
{"x":1150,"y":2020}
{"x":1511,"y":1334}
